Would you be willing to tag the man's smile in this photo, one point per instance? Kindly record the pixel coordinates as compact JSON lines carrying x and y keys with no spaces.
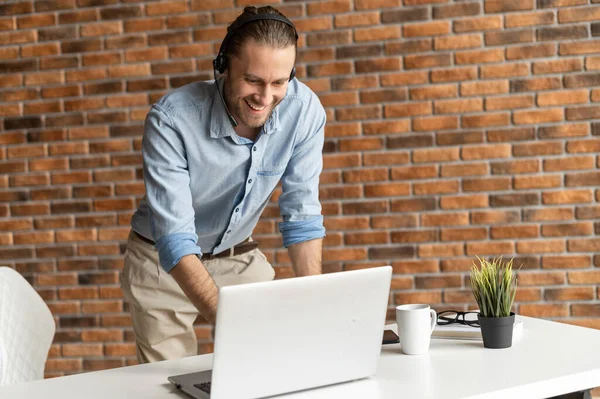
{"x":255,"y":107}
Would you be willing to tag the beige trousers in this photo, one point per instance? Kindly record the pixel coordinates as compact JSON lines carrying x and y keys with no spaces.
{"x":162,"y":315}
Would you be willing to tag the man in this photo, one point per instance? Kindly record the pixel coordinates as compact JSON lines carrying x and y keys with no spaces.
{"x":213,"y":153}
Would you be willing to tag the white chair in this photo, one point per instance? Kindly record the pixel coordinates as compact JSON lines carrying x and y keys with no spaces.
{"x":26,"y":330}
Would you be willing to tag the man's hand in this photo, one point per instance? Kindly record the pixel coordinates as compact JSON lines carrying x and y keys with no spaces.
{"x":306,"y":257}
{"x":198,"y":286}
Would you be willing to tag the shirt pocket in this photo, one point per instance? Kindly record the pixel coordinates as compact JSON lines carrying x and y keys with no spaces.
{"x":266,"y":182}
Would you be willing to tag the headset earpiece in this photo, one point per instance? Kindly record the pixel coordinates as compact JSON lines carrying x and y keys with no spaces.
{"x":292,"y":74}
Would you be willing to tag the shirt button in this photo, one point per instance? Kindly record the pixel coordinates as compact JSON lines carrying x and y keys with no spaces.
{"x":254,"y":148}
{"x":237,"y":209}
{"x":228,"y":231}
{"x":249,"y":181}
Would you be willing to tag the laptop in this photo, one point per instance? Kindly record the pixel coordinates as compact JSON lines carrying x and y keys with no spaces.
{"x":294,"y":334}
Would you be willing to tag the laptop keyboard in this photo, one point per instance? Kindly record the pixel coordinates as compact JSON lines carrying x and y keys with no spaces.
{"x":204,"y":386}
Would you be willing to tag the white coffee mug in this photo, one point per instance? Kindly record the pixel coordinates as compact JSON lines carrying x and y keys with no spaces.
{"x":415,"y":325}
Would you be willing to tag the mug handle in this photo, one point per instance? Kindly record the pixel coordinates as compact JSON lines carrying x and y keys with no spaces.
{"x":433,"y":319}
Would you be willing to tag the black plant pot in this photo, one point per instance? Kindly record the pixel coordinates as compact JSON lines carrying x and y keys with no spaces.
{"x":497,"y":332}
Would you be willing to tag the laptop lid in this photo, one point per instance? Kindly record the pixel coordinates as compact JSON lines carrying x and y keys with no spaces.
{"x":294,"y":334}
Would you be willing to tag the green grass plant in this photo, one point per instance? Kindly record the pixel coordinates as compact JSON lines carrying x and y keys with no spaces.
{"x":494,"y":285}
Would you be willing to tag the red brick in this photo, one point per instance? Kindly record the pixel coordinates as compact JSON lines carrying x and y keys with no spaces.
{"x":495,"y":217}
{"x":466,"y":201}
{"x":486,"y":152}
{"x":404,"y":110}
{"x":515,"y":167}
{"x":578,"y":14}
{"x":407,"y":205}
{"x":386,"y":158}
{"x":426,"y":61}
{"x":584,"y":277}
{"x":483,"y":88}
{"x":563,"y":97}
{"x":504,"y":70}
{"x":101,"y":335}
{"x":564,"y":130}
{"x":414,"y":172}
{"x":457,"y":42}
{"x":409,"y":46}
{"x":544,"y":310}
{"x":393,"y":221}
{"x":408,"y":236}
{"x":430,"y":297}
{"x":557,"y":66}
{"x":567,"y":197}
{"x":427,"y":29}
{"x":466,"y":169}
{"x":439,"y":187}
{"x":38,"y":237}
{"x":579,"y":47}
{"x":454,"y":74}
{"x":458,"y":106}
{"x":467,"y":234}
{"x":479,"y":56}
{"x":529,"y":19}
{"x":435,"y":123}
{"x":433,"y":92}
{"x":415,"y":266}
{"x":531,"y":182}
{"x":532,"y":51}
{"x":366,"y":238}
{"x":448,"y":219}
{"x":538,"y":148}
{"x":440,"y":250}
{"x":376,"y":34}
{"x":548,"y":214}
{"x":521,"y":231}
{"x":70,"y":365}
{"x":478,"y":24}
{"x":437,"y":155}
{"x":511,"y":102}
{"x":387,"y":190}
{"x":568,"y":229}
{"x":490,"y":248}
{"x":486,"y":184}
{"x":385,"y":127}
{"x":344,"y":254}
{"x":492,"y":6}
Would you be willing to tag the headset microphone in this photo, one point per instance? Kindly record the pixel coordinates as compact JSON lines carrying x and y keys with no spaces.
{"x":231,"y":118}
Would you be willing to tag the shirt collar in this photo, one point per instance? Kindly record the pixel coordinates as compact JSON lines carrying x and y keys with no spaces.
{"x":220,"y":125}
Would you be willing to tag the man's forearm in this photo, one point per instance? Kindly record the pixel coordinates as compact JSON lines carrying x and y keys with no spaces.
{"x":198,"y":286}
{"x":306,"y":257}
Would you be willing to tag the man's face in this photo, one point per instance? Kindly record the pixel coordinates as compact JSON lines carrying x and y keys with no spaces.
{"x":257,"y":81}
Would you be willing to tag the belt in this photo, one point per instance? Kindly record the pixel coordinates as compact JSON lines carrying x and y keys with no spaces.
{"x":241,"y":248}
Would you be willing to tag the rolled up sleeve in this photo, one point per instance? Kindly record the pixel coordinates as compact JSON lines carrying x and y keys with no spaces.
{"x":299,"y":201}
{"x":168,"y":192}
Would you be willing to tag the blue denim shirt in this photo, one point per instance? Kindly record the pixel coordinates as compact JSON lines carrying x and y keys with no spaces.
{"x":206,"y":187}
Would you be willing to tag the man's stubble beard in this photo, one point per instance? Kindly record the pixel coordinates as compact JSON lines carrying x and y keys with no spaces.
{"x":240,"y":115}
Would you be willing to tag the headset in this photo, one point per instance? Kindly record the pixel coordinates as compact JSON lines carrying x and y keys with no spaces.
{"x":220,"y":63}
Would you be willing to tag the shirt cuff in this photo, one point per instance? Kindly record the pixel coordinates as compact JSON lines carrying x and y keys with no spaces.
{"x":296,"y":231}
{"x":171,"y":248}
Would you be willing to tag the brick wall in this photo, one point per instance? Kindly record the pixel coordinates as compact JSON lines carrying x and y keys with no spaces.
{"x":456,"y":128}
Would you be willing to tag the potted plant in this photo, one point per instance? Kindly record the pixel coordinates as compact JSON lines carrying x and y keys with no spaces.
{"x":494,"y":285}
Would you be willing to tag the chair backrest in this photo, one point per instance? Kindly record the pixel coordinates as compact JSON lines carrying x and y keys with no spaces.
{"x":26,"y":330}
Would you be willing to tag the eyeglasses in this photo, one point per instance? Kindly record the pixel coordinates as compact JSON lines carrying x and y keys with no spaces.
{"x":454,"y":316}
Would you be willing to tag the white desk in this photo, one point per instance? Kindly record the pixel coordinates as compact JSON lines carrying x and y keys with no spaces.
{"x":550,"y":359}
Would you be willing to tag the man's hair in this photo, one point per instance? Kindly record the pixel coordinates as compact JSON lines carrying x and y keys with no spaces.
{"x":265,"y":32}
